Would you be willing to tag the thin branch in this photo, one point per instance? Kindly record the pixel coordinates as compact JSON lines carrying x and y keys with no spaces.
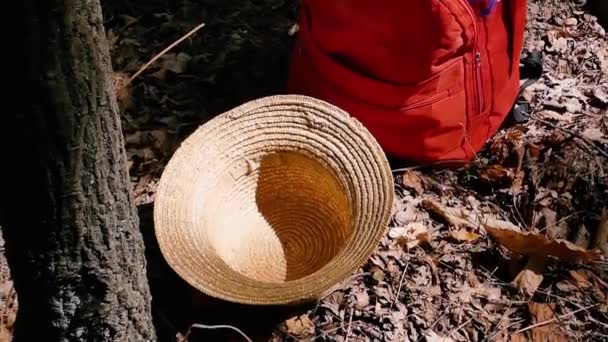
{"x":350,"y":324}
{"x":160,"y":54}
{"x":549,"y":321}
{"x":215,"y":327}
{"x":400,"y":284}
{"x":459,"y":327}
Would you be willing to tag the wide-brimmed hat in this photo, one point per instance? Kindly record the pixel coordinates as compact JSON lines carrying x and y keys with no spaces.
{"x":273,"y":202}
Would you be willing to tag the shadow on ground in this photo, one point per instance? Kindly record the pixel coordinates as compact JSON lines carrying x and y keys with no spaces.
{"x":176,"y":305}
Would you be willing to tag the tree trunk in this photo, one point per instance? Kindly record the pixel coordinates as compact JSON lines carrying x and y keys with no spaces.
{"x":70,"y":225}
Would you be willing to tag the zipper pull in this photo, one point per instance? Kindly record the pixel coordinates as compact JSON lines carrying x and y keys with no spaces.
{"x":478,"y":58}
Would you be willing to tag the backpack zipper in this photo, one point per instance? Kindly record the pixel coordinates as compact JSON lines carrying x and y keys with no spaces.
{"x":479,"y":82}
{"x":474,"y":72}
{"x":478,"y":91}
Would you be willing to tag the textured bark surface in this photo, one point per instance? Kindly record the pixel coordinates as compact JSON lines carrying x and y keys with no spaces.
{"x":71,"y":228}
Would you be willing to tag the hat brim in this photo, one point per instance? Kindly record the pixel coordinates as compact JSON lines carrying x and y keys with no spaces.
{"x":225,"y":147}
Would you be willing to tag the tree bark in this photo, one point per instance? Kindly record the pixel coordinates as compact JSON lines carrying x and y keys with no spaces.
{"x":70,"y":225}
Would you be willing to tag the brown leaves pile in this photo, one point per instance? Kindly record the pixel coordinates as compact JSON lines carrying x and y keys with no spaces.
{"x":511,"y":236}
{"x":538,"y":244}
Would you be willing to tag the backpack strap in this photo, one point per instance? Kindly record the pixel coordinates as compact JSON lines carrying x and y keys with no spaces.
{"x":530,"y":69}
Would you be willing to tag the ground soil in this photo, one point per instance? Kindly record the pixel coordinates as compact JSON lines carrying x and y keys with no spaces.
{"x":438,"y":275}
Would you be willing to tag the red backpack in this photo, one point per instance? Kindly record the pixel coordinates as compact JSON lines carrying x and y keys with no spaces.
{"x":431,"y":79}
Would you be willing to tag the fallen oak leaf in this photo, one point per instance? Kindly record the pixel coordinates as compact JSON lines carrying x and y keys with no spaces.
{"x":410,"y":236}
{"x":362,"y":300}
{"x":432,"y":336}
{"x":553,"y":115}
{"x":464,"y":235}
{"x":413,"y":180}
{"x":531,"y":276}
{"x":544,"y":312}
{"x":454,"y":216}
{"x":496,"y":173}
{"x":537,"y":244}
{"x":595,"y":134}
{"x":581,"y":279}
{"x":300,"y":326}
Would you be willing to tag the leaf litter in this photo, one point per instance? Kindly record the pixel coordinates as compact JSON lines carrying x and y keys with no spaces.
{"x":504,"y":249}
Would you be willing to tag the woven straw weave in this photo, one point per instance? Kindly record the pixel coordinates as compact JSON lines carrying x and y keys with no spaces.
{"x":273,"y":202}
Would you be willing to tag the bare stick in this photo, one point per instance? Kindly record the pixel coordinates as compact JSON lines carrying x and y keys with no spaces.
{"x":163,"y":52}
{"x":214,"y":327}
{"x":460,"y":327}
{"x":350,"y":324}
{"x":554,"y":319}
{"x":400,"y":285}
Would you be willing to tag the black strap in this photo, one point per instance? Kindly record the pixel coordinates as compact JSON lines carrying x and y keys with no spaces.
{"x":531,"y":69}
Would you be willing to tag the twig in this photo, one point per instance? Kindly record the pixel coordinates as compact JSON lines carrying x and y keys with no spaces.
{"x":560,"y":221}
{"x":549,"y":321}
{"x":215,"y":327}
{"x":435,"y":322}
{"x":162,"y":53}
{"x":460,"y":327}
{"x":400,"y":284}
{"x":574,"y":134}
{"x":502,"y":317}
{"x":350,"y":324}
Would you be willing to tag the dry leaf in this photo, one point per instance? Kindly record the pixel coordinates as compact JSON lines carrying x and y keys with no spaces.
{"x":553,"y":230}
{"x":580,"y":279}
{"x":496,"y":173}
{"x":530,"y":278}
{"x":492,"y":294}
{"x":557,"y":42}
{"x":159,"y":139}
{"x":537,"y":244}
{"x":411,"y":235}
{"x":518,"y":182}
{"x":405,"y":216}
{"x":566,"y":286}
{"x":5,"y":335}
{"x":521,"y":337}
{"x":293,"y":29}
{"x":542,"y":312}
{"x":595,"y":134}
{"x":432,"y":336}
{"x":300,"y":326}
{"x":464,"y":235}
{"x":135,"y":139}
{"x":553,"y":115}
{"x":600,"y":95}
{"x":413,"y":180}
{"x":147,"y":154}
{"x":601,"y":236}
{"x":362,"y":300}
{"x":495,"y":223}
{"x":176,"y":63}
{"x":378,"y":275}
{"x":122,"y":90}
{"x":454,"y":216}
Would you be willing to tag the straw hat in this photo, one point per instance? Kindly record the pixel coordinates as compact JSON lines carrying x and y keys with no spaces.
{"x":273,"y":202}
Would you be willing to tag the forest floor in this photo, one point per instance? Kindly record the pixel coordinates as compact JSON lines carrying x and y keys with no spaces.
{"x":445,"y":271}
